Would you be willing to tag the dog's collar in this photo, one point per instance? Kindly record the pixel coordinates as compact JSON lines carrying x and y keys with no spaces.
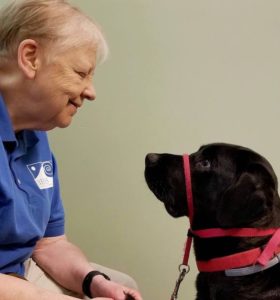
{"x":238,"y":264}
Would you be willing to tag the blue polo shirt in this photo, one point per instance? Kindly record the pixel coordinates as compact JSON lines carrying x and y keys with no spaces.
{"x":30,"y":202}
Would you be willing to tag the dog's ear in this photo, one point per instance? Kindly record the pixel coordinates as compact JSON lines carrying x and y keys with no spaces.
{"x":249,"y":200}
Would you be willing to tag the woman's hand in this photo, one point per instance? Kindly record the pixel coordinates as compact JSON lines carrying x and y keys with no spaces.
{"x":101,"y":287}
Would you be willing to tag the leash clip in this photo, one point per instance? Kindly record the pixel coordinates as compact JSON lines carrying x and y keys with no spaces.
{"x":183,"y":269}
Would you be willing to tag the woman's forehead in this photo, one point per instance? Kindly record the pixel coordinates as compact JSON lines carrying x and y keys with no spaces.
{"x":79,"y":55}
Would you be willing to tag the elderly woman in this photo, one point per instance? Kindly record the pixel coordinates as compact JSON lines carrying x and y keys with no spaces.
{"x":48,"y":54}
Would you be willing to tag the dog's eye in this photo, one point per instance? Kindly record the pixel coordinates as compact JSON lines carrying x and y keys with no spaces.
{"x":203,"y":164}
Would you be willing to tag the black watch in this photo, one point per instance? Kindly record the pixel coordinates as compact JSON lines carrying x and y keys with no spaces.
{"x":88,"y":279}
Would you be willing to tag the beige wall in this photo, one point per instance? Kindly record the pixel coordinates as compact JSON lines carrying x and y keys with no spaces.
{"x":181,"y":73}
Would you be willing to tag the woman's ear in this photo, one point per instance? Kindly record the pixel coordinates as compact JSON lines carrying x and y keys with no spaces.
{"x":28,"y":57}
{"x":246,"y":201}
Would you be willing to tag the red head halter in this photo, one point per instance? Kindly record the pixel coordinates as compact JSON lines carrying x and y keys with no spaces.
{"x":241,"y":259}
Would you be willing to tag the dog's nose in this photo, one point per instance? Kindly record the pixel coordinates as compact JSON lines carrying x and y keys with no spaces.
{"x":151,"y":159}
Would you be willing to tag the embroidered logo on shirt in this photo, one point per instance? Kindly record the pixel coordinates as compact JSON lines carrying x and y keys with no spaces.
{"x":42,"y":173}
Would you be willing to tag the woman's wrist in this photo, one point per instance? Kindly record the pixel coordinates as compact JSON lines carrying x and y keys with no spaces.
{"x":92,"y":281}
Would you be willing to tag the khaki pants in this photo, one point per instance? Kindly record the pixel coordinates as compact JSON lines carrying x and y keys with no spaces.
{"x":36,"y":275}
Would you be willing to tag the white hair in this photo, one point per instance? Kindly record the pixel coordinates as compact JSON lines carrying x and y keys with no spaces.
{"x":55,"y":24}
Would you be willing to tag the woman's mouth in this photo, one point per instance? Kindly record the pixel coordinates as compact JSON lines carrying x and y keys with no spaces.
{"x":77,"y":105}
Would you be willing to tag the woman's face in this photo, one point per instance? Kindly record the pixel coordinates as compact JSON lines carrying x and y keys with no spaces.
{"x":60,"y":88}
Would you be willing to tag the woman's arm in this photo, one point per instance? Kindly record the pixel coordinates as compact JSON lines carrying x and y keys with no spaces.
{"x":63,"y":261}
{"x":68,"y":266}
{"x":12,"y":288}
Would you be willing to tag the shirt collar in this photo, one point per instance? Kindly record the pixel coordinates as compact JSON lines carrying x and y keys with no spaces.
{"x":30,"y":138}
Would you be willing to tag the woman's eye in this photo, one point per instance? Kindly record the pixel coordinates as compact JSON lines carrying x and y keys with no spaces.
{"x":82,"y":74}
{"x":204,"y":164}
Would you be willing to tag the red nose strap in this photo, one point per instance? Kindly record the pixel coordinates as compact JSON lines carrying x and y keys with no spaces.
{"x":188,"y":181}
{"x":254,"y":256}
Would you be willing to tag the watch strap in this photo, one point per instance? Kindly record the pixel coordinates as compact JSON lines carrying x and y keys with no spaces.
{"x":88,"y":279}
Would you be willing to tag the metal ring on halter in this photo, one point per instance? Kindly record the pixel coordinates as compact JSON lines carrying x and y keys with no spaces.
{"x":184,"y":267}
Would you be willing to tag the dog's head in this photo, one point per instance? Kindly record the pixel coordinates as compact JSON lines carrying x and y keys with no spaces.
{"x":232,"y":186}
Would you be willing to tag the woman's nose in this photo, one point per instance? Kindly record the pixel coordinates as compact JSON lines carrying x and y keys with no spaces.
{"x":89,"y":92}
